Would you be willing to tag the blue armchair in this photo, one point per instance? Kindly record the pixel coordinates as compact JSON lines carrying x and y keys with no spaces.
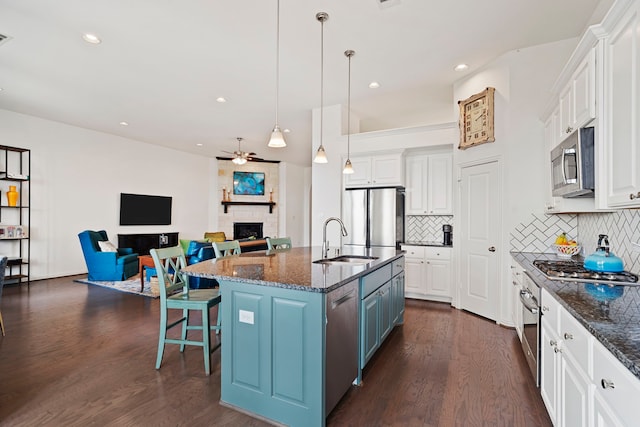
{"x":198,"y":251}
{"x":106,"y":266}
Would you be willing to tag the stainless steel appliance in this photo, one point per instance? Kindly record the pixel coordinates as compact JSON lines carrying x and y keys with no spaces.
{"x":571,"y":270}
{"x":530,"y":306}
{"x":374,"y":216}
{"x":572,"y":165}
{"x":342,"y":342}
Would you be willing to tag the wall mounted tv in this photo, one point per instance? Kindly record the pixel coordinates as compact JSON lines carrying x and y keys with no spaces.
{"x":139,"y":209}
{"x":248,"y":183}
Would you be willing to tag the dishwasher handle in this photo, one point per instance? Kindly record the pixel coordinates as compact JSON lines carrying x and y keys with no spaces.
{"x":346,"y":297}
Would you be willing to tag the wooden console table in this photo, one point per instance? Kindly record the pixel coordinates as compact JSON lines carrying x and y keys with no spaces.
{"x":227,"y":204}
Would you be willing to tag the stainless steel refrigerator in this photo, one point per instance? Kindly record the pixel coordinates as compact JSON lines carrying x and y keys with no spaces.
{"x":374,"y":216}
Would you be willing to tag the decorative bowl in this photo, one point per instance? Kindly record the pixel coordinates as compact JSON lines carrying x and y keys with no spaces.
{"x":567,"y":251}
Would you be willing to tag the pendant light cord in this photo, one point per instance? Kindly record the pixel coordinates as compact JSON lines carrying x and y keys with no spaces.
{"x":349,"y":111}
{"x":321,"y":76}
{"x":277,"y":60}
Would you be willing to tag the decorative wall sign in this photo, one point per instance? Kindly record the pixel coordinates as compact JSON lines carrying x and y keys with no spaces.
{"x":476,"y":119}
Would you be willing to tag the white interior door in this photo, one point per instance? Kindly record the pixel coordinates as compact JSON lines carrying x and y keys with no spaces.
{"x":480,"y":196}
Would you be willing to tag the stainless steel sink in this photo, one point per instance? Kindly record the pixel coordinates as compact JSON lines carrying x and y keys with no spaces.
{"x":347,"y":259}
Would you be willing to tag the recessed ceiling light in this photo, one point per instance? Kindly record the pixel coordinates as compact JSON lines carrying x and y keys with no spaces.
{"x":286,"y":130}
{"x":374,"y":85}
{"x":461,"y":67}
{"x":221,"y":99}
{"x":91,"y":38}
{"x":124,"y":123}
{"x":199,"y":144}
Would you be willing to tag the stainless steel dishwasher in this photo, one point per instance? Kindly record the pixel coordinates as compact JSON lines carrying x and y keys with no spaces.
{"x":341,"y":343}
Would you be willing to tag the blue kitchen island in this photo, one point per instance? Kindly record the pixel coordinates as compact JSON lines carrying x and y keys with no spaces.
{"x":296,"y":333}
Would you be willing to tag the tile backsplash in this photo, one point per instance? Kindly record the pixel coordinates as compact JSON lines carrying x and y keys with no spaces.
{"x":622,"y":227}
{"x":539,"y":232}
{"x":420,"y":228}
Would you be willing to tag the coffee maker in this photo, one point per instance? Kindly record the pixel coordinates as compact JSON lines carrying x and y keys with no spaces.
{"x":447,"y":232}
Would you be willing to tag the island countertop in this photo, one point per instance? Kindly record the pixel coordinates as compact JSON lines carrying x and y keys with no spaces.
{"x":292,"y":268}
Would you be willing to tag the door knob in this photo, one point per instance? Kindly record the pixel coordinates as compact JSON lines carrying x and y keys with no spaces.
{"x":492,"y":249}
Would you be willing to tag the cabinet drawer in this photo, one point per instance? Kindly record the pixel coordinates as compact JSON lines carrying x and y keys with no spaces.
{"x":374,"y":280}
{"x":550,"y":309}
{"x":432,"y":252}
{"x":413,"y":251}
{"x":397,"y":266}
{"x":575,"y":339}
{"x":623,"y":396}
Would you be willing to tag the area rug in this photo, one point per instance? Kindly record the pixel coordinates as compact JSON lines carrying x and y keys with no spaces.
{"x":131,"y":286}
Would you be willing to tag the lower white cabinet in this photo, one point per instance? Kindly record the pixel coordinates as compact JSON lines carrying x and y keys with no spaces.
{"x":428,"y":272}
{"x":582,"y":383}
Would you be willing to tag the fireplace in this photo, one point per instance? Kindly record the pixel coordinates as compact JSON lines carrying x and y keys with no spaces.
{"x":245,"y":230}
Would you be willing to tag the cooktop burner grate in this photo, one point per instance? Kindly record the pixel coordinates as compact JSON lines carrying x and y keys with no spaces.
{"x":570,"y":270}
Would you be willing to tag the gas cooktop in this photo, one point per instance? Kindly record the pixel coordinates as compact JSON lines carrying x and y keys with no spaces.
{"x":574,"y":271}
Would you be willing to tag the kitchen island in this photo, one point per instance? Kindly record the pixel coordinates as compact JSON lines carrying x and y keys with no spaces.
{"x":285,"y":353}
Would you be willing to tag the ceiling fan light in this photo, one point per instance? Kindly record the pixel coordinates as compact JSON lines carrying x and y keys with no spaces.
{"x":321,"y":156}
{"x":239,"y":160}
{"x":348,"y":169}
{"x":277,"y":138}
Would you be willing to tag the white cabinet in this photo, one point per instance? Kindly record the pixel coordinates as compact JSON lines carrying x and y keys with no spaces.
{"x":428,"y":272}
{"x":580,"y":379}
{"x":376,"y":171}
{"x":429,"y":184}
{"x":577,"y":99}
{"x":622,"y":111}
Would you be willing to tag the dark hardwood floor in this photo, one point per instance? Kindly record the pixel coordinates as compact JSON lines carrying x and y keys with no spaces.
{"x":81,"y":355}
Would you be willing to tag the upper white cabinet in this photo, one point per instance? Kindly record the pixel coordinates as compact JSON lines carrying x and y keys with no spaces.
{"x":429,"y":184}
{"x":622,"y":111}
{"x":380,"y":170}
{"x":577,"y":100}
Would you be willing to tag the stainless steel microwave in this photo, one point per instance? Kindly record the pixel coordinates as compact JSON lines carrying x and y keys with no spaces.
{"x":572,"y":165}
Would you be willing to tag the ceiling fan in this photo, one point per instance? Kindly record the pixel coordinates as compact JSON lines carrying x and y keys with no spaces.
{"x":241,"y":157}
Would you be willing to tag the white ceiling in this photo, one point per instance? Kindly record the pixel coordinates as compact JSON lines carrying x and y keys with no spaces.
{"x":162,"y":63}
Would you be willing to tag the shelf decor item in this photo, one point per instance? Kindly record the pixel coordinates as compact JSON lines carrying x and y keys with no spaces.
{"x":12,"y":196}
{"x":476,"y":119}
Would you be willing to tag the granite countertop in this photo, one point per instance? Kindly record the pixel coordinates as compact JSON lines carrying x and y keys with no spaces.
{"x":428,"y":243}
{"x":292,"y":268}
{"x":616,"y":323}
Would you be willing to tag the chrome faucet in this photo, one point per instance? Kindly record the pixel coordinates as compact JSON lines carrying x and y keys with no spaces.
{"x":325,"y":243}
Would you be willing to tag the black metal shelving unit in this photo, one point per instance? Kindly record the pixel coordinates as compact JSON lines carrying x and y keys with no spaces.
{"x":15,"y":221}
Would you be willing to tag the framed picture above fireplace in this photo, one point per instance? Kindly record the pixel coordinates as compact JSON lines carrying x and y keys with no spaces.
{"x":248,"y":183}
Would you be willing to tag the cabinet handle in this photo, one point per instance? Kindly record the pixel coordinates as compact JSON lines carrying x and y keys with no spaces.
{"x":634,"y":196}
{"x":553,"y":343}
{"x":492,"y":249}
{"x":607,"y":384}
{"x":545,"y":308}
{"x":557,"y":350}
{"x":568,"y":336}
{"x":569,"y":129}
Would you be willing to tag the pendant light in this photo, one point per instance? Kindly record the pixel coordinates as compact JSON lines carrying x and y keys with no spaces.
{"x":321,"y":156}
{"x":348,"y":169}
{"x":277,"y":138}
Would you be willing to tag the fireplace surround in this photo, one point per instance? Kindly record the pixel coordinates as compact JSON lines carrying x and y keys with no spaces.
{"x":246,"y":230}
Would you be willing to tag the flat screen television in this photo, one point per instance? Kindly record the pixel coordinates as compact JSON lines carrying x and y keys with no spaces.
{"x":248,"y":183}
{"x":139,"y":209}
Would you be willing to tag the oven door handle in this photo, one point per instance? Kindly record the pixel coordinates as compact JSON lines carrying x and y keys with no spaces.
{"x":529,"y":301}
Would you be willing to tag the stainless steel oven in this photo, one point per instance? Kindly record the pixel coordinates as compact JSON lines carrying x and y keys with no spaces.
{"x":530,"y":306}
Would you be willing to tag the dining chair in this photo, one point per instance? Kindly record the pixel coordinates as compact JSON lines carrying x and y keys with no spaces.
{"x":174,"y":290}
{"x":3,"y":268}
{"x":229,"y":248}
{"x":278,"y":243}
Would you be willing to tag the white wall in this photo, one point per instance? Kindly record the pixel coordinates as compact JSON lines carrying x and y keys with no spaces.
{"x":76,"y":179}
{"x":522,"y":79}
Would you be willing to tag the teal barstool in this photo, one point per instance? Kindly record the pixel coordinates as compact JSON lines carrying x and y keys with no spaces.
{"x":229,"y":248}
{"x":278,"y":243}
{"x":175,"y":294}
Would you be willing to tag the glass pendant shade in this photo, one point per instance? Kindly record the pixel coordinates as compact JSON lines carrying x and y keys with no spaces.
{"x":277,"y":139}
{"x":321,"y":156}
{"x":348,"y":169}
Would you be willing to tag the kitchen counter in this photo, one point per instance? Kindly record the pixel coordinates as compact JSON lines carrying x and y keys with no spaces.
{"x":292,"y":268}
{"x":437,"y":243}
{"x":616,"y":324}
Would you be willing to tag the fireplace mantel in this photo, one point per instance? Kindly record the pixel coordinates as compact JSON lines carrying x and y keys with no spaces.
{"x":227,"y":204}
